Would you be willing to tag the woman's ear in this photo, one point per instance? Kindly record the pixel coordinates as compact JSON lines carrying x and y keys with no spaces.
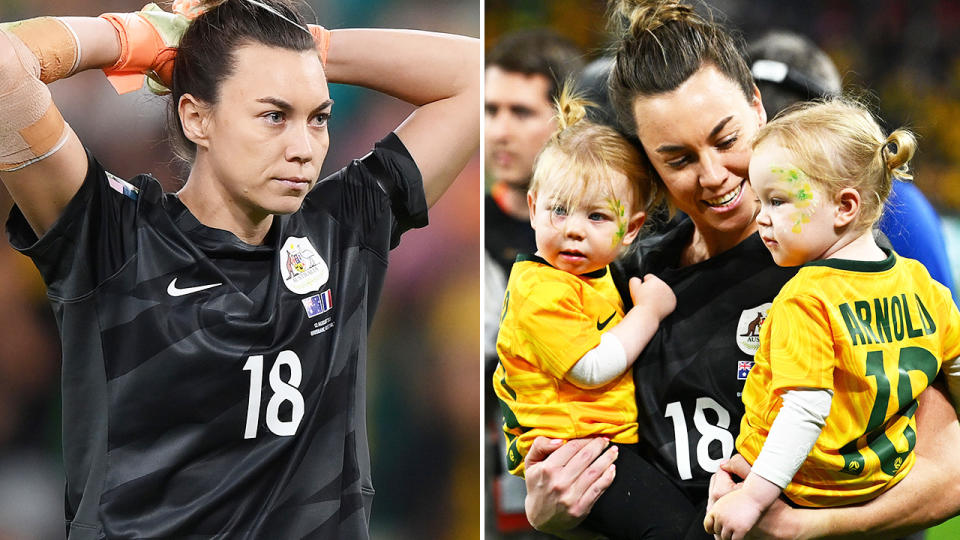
{"x":757,"y":105}
{"x":848,"y":207}
{"x":633,"y":227}
{"x":194,"y":119}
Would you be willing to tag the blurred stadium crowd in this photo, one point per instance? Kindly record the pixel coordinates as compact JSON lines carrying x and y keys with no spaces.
{"x":423,"y":396}
{"x":903,"y":51}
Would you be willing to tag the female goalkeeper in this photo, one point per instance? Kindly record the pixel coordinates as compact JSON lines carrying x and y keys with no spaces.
{"x":214,"y":338}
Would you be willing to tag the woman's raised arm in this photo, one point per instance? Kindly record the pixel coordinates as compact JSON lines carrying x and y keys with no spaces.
{"x":42,"y":163}
{"x":441,"y":74}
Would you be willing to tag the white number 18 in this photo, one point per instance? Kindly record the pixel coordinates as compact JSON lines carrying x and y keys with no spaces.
{"x":708,"y":432}
{"x":282,"y":391}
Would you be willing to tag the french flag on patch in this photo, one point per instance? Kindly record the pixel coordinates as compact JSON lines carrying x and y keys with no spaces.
{"x":743,"y":369}
{"x":319,"y":303}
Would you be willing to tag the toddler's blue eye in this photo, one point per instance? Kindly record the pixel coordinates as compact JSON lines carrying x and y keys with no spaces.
{"x":559,"y":210}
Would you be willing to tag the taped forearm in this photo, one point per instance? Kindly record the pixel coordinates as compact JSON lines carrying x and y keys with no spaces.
{"x":601,"y":364}
{"x":53,"y":43}
{"x":793,"y":434}
{"x":32,"y":128}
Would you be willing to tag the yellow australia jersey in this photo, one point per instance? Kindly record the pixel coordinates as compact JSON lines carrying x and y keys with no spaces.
{"x":876,"y":334}
{"x":550,"y":319}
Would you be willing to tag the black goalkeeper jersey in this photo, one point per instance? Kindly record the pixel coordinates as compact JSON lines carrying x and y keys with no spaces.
{"x":691,"y":374}
{"x":214,"y":389}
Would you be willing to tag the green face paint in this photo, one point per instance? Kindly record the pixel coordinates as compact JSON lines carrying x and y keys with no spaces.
{"x":802,"y":192}
{"x":620,"y":212}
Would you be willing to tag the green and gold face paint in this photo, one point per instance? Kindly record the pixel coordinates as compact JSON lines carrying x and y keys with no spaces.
{"x":619,"y":212}
{"x":801,"y":190}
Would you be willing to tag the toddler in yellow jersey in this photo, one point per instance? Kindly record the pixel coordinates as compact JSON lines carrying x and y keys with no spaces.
{"x":565,"y":343}
{"x":849,"y":342}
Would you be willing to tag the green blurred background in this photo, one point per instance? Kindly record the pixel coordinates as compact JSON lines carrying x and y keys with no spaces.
{"x":424,"y":359}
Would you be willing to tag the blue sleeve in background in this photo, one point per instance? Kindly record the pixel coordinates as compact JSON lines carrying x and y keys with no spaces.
{"x":914,"y":229}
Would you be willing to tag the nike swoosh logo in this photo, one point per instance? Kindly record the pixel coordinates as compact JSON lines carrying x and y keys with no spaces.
{"x":602,"y":325}
{"x":173,"y":290}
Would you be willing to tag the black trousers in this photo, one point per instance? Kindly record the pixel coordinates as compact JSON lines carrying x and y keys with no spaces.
{"x":643,"y":503}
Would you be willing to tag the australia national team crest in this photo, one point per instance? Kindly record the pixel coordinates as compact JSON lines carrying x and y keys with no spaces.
{"x":748,"y":329}
{"x":302,"y":268}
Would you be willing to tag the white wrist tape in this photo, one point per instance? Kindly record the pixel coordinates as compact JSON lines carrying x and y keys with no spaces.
{"x":793,"y":434}
{"x":32,"y":127}
{"x":601,"y":364}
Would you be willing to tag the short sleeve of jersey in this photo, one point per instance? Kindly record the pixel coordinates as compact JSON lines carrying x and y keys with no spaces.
{"x":382,"y":190}
{"x":90,"y":241}
{"x":801,"y":344}
{"x":553,"y":327}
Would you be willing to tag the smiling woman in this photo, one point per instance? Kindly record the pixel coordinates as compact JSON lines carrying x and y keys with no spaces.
{"x":703,"y":157}
{"x":680,"y":83}
{"x":214,"y":339}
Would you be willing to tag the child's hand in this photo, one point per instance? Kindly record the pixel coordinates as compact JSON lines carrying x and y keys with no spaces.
{"x":721,"y":483}
{"x":653,"y":294}
{"x":733,"y":515}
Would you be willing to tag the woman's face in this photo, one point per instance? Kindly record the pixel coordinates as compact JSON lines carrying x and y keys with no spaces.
{"x":267,"y":136}
{"x":698,"y":138}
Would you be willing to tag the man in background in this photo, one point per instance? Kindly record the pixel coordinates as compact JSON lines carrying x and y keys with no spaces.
{"x":523,"y":74}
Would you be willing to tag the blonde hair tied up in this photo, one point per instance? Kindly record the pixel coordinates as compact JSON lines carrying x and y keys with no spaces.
{"x":571,"y":108}
{"x":896,"y":152}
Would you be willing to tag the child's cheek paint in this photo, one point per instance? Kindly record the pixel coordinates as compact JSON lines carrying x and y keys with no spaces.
{"x":616,"y":206}
{"x":802,"y":193}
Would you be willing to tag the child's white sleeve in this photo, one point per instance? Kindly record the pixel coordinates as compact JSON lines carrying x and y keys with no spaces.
{"x":601,"y":364}
{"x":951,"y":368}
{"x":793,"y":434}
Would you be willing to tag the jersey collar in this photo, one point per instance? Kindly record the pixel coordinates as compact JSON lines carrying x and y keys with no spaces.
{"x":218,"y":240}
{"x":859,"y":266}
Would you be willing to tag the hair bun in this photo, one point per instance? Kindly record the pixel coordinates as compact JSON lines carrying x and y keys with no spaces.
{"x":641,"y":16}
{"x":571,"y":108}
{"x":897,"y":151}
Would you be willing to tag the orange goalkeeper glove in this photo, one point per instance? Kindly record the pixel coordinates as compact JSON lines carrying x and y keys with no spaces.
{"x":321,"y":38}
{"x":148,"y":41}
